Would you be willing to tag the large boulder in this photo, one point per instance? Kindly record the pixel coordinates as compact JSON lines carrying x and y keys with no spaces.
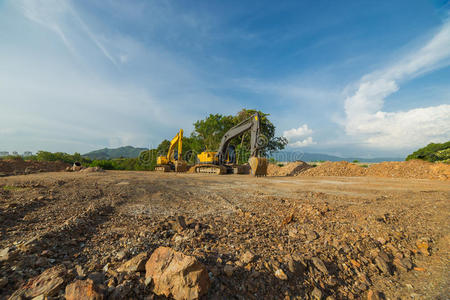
{"x":177,"y":275}
{"x":83,"y":290}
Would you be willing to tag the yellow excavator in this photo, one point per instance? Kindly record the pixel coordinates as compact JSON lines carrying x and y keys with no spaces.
{"x":223,"y":161}
{"x":173,"y":161}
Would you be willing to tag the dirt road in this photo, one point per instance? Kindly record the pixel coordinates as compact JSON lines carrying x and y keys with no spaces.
{"x":337,"y":237}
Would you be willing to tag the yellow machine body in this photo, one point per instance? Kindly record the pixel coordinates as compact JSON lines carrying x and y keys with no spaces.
{"x":207,"y":157}
{"x":165,"y":163}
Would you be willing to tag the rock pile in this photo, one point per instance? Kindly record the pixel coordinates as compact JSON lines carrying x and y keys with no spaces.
{"x":291,"y":169}
{"x":417,"y":169}
{"x":340,"y":168}
{"x":167,"y":273}
{"x":410,"y":169}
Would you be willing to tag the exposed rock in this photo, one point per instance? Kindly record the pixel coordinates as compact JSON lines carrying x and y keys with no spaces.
{"x":83,"y":290}
{"x":247,"y":257}
{"x":47,"y":283}
{"x":177,"y":275}
{"x":136,"y":264}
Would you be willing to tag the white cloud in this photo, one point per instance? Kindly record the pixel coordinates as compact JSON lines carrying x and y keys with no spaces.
{"x":402,"y":129}
{"x":295,"y":136}
{"x":306,"y":142}
{"x":297,"y":132}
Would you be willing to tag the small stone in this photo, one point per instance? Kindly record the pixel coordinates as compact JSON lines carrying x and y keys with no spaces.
{"x":311,"y":235}
{"x":247,"y":257}
{"x":5,"y":254}
{"x":382,"y":265}
{"x":83,"y":289}
{"x":79,"y":270}
{"x":318,"y":263}
{"x":121,"y":255}
{"x":228,"y":270}
{"x":136,"y":264}
{"x":316,"y":293}
{"x":97,"y":277}
{"x":280,"y":274}
{"x":293,"y":232}
{"x":423,"y":246}
{"x":374,"y":295}
{"x":3,"y":282}
{"x":41,"y":261}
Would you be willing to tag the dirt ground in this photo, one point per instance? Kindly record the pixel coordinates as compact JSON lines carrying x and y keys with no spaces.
{"x":312,"y":237}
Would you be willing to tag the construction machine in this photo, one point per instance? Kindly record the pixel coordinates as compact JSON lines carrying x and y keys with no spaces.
{"x":223,"y":161}
{"x":173,"y":161}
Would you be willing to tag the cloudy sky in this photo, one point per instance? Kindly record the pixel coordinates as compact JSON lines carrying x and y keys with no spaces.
{"x":366,"y":78}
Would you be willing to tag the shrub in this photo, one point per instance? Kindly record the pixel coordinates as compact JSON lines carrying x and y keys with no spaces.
{"x":432,"y":152}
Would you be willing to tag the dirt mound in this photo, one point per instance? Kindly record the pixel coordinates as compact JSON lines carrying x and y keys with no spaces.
{"x":410,"y":169}
{"x":402,"y":169}
{"x":340,"y":168}
{"x":19,"y":166}
{"x":291,"y":169}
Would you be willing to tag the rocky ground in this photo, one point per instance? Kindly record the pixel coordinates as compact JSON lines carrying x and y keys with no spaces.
{"x":257,"y":238}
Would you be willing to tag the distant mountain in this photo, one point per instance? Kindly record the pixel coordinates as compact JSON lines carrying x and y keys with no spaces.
{"x":106,"y":153}
{"x":292,"y":156}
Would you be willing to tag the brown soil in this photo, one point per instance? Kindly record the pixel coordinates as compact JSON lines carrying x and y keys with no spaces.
{"x":345,"y":237}
{"x":19,"y":166}
{"x":405,"y":169}
{"x":290,"y":169}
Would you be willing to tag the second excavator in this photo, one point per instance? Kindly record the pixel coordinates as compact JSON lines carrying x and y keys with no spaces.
{"x":173,"y":161}
{"x":223,"y":161}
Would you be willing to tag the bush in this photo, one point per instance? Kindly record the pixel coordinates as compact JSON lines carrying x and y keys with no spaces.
{"x":432,"y":152}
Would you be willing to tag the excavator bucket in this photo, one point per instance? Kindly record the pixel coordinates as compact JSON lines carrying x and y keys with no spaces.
{"x":258,"y":166}
{"x":181,"y":166}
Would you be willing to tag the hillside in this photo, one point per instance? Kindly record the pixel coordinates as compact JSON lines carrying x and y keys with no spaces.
{"x":106,"y":153}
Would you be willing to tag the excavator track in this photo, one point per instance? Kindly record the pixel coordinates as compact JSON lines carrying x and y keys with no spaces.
{"x":208,"y":169}
{"x":162,"y":168}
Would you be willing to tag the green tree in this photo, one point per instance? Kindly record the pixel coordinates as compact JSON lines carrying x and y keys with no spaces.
{"x":209,"y":131}
{"x":274,"y":143}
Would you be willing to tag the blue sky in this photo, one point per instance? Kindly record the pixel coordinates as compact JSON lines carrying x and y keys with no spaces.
{"x":351,"y":78}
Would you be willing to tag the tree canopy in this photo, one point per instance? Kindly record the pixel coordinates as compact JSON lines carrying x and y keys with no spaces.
{"x":432,"y":152}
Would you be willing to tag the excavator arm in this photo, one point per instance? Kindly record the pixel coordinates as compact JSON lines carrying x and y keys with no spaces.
{"x":176,"y":141}
{"x":254,"y":125}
